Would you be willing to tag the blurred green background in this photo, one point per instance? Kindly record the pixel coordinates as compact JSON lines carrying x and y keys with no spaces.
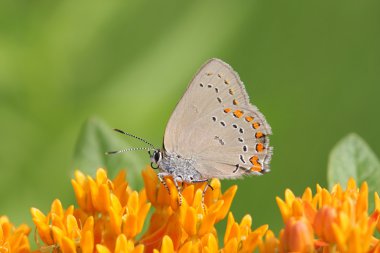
{"x":312,"y":67}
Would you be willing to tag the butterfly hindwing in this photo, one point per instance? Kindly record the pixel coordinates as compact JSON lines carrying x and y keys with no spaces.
{"x":215,"y":125}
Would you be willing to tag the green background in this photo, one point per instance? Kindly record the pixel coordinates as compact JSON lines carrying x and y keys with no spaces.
{"x":312,"y":67}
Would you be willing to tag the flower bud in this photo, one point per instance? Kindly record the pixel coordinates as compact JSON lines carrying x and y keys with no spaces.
{"x":297,"y":236}
{"x":323,"y":221}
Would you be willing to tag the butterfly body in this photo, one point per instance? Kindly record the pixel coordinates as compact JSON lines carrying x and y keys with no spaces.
{"x":180,"y":168}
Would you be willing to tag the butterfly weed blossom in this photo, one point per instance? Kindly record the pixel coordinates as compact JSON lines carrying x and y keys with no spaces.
{"x":13,"y":239}
{"x":191,"y":225}
{"x":336,"y":221}
{"x":110,"y":217}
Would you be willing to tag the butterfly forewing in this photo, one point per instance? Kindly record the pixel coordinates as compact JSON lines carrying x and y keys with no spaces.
{"x":215,"y":125}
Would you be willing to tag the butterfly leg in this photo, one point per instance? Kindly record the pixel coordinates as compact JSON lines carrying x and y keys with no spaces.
{"x":176,"y":180}
{"x":204,"y":189}
{"x":204,"y":193}
{"x":161,"y":177}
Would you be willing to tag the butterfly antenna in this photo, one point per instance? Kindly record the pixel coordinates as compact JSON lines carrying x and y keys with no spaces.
{"x":134,"y":136}
{"x":131,"y":149}
{"x":126,"y":150}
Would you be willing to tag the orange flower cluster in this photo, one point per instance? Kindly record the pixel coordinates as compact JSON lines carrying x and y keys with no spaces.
{"x":189,"y":227}
{"x":13,"y":239}
{"x":327,"y":222}
{"x":111,"y":216}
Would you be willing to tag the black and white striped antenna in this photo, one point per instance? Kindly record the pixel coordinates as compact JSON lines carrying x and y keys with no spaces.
{"x":131,"y":149}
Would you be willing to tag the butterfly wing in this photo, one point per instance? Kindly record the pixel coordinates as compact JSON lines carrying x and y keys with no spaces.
{"x":215,"y":125}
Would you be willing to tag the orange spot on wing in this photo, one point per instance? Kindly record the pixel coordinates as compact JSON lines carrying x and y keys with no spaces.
{"x":227,"y":110}
{"x":235,"y":102}
{"x":259,"y":135}
{"x":231,"y":91}
{"x":254,"y":159}
{"x":256,"y":164}
{"x":248,"y":118}
{"x":256,"y":125}
{"x":238,"y":113}
{"x":226,"y":82}
{"x":259,"y":147}
{"x":256,"y":168}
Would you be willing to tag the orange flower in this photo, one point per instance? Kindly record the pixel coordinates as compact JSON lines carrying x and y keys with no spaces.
{"x":192,"y":225}
{"x":14,"y":240}
{"x":297,"y":236}
{"x":110,"y":218}
{"x":376,"y":213}
{"x":94,"y":195}
{"x":188,"y":222}
{"x":122,"y":245}
{"x":115,"y":207}
{"x":328,"y":221}
{"x":107,"y":210}
{"x":270,"y":244}
{"x":60,"y":229}
{"x":323,"y":223}
{"x":240,"y":237}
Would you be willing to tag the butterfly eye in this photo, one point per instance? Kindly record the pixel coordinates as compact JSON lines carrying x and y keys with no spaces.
{"x":157,"y":156}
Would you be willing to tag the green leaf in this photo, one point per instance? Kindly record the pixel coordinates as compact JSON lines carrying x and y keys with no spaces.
{"x":352,"y":157}
{"x":96,"y":138}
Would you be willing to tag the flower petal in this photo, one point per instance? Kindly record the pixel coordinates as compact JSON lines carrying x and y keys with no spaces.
{"x":167,"y":245}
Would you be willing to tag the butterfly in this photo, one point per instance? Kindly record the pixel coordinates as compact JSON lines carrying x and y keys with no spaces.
{"x":214,"y":131}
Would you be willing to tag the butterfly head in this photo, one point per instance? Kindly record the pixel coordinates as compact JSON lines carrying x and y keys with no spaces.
{"x":155,"y":156}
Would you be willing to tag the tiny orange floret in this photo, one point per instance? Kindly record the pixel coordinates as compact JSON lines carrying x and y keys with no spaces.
{"x":235,"y":102}
{"x":248,"y":118}
{"x":256,"y":125}
{"x":259,"y":147}
{"x":227,"y":110}
{"x":259,"y":134}
{"x":238,"y":113}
